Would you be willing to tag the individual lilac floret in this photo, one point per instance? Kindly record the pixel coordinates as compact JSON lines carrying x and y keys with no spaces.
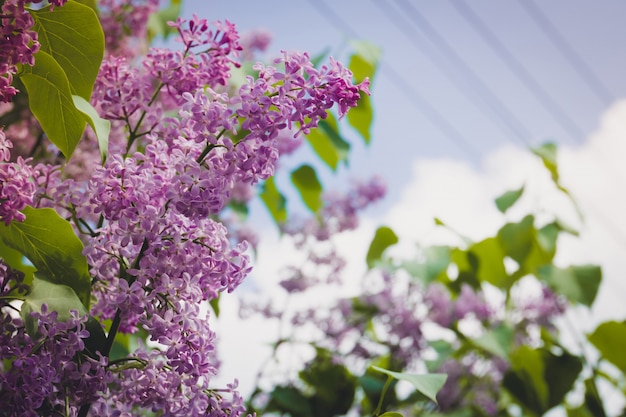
{"x":5,"y":147}
{"x":17,"y":189}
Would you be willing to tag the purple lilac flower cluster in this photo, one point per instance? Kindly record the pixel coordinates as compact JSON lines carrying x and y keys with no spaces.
{"x":41,"y":372}
{"x":395,"y":316}
{"x":18,"y":42}
{"x":17,"y":187}
{"x":182,"y":145}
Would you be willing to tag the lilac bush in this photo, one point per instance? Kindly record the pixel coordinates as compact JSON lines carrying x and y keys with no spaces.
{"x":130,"y":333}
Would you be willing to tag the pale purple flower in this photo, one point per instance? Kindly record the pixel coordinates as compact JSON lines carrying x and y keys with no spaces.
{"x":17,"y":189}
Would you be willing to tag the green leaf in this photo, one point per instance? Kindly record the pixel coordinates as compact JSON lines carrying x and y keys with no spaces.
{"x":309,"y":187}
{"x":508,"y":199}
{"x":372,"y":384}
{"x":363,"y":65}
{"x":497,"y":341}
{"x":50,"y":244}
{"x":328,"y":144}
{"x":274,"y":201}
{"x":539,"y":379}
{"x":57,"y":297}
{"x":290,"y":400}
{"x":427,"y":384}
{"x":434,"y":263}
{"x":383,"y":238}
{"x":490,"y":258}
{"x":361,"y":117}
{"x":100,"y":126}
{"x":333,"y":384}
{"x":610,"y":339}
{"x":525,"y":381}
{"x":50,"y":100}
{"x":96,"y":342}
{"x":215,"y":305}
{"x":391,"y":414}
{"x":444,"y":350}
{"x":73,"y":37}
{"x":516,"y":239}
{"x":547,"y":153}
{"x":579,"y":284}
{"x":364,"y":60}
{"x":15,"y":260}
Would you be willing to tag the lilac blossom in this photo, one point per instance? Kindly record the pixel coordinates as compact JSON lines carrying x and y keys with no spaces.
{"x":18,"y":42}
{"x":182,"y":146}
{"x":50,"y":366}
{"x":17,"y":189}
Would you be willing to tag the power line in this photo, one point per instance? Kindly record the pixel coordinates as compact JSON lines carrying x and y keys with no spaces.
{"x":518,"y":69}
{"x":575,"y":61}
{"x":433,"y":115}
{"x":404,"y":86}
{"x":441,"y":48}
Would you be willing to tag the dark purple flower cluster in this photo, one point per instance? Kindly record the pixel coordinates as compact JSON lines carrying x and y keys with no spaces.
{"x":18,"y":42}
{"x":43,"y":370}
{"x":17,"y":187}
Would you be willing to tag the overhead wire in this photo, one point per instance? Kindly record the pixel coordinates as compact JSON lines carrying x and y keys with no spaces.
{"x":421,"y":22}
{"x":430,"y":112}
{"x":575,"y":132}
{"x":438,"y":48}
{"x":568,"y":52}
{"x":404,"y":86}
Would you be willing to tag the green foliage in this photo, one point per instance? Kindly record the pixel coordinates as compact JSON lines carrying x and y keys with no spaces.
{"x":305,"y":180}
{"x":508,"y":199}
{"x":330,"y":390}
{"x":73,"y":37}
{"x":274,"y":201}
{"x":610,"y":339}
{"x":288,"y":399}
{"x":333,"y":384}
{"x":539,"y":379}
{"x":579,"y":284}
{"x":489,"y":255}
{"x":100,"y":126}
{"x":363,"y":64}
{"x":426,"y":384}
{"x":50,"y":244}
{"x":497,"y":341}
{"x":383,"y":238}
{"x":57,"y":297}
{"x":432,"y":266}
{"x":328,"y":144}
{"x":72,"y":47}
{"x":50,"y":100}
